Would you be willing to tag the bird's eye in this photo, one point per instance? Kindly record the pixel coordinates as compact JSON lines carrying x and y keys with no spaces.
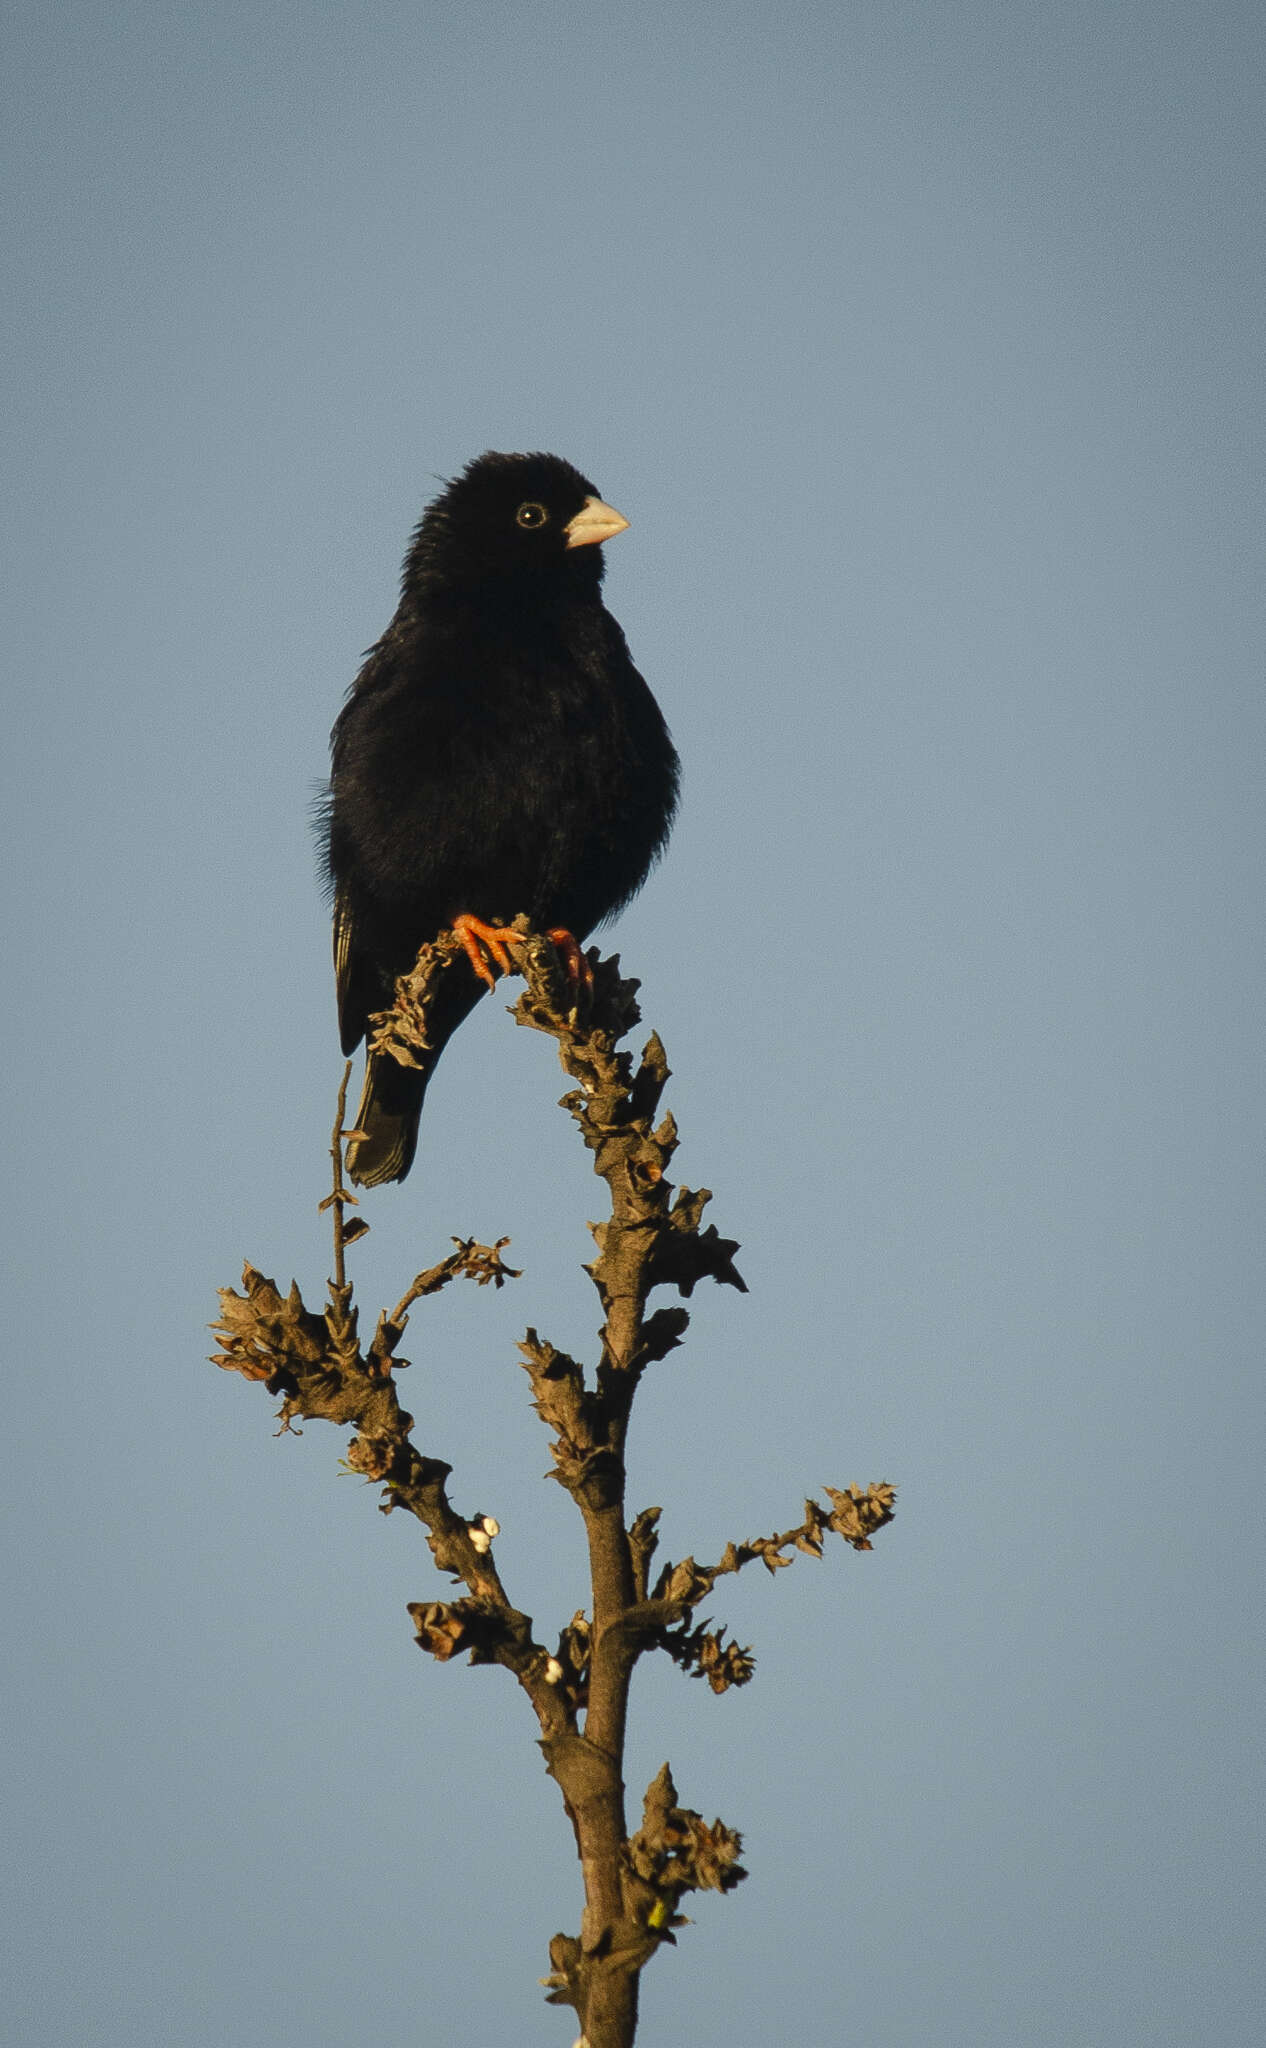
{"x":531,"y":514}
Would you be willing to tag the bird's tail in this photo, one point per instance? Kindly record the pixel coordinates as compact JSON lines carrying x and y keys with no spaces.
{"x":390,"y":1107}
{"x":391,"y":1100}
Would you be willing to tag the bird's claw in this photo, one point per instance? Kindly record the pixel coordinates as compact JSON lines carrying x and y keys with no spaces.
{"x":575,"y":963}
{"x":480,"y":939}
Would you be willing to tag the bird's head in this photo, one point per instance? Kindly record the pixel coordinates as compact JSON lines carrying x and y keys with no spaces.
{"x":530,"y":522}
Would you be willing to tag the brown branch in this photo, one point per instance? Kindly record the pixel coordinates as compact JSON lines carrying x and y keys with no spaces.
{"x":853,"y":1515}
{"x":340,"y":1196}
{"x":653,"y":1237}
{"x":316,"y":1364}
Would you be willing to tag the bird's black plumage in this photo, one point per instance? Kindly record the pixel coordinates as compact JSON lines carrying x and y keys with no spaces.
{"x":498,"y":753}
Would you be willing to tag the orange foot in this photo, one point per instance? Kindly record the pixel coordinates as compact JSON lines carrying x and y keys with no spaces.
{"x":567,"y":946}
{"x":481,"y":939}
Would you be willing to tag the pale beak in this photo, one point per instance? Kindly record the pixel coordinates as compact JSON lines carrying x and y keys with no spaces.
{"x":594,"y":521}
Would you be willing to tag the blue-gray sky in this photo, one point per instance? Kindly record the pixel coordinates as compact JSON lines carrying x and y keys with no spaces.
{"x":921,"y":345}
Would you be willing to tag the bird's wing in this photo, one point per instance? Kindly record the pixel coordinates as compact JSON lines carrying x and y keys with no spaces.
{"x":352,"y":976}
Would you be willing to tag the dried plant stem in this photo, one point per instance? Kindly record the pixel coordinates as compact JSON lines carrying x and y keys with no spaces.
{"x":339,"y":1195}
{"x":654,"y":1237}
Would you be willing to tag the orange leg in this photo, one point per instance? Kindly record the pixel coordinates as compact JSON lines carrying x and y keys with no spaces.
{"x":480,"y":939}
{"x":567,"y":946}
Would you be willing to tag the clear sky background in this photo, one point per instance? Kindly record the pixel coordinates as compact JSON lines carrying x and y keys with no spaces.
{"x":920,"y":345}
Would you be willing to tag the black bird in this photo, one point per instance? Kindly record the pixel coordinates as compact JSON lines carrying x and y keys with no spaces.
{"x":498,"y":753}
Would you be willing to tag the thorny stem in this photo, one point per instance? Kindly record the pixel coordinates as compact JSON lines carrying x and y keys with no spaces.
{"x":653,"y":1238}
